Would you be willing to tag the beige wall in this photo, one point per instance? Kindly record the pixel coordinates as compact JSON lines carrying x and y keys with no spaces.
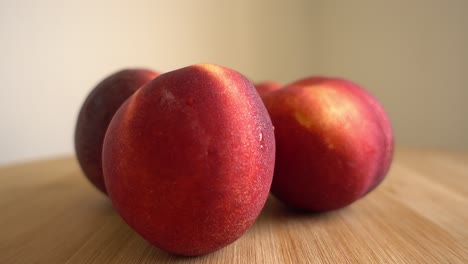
{"x":412,"y":55}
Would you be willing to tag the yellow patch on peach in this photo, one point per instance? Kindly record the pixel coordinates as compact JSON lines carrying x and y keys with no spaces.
{"x":219,"y":74}
{"x":212,"y":68}
{"x":303,"y":119}
{"x":339,"y":109}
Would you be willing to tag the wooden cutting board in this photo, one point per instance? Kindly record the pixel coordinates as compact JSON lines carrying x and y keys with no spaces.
{"x":49,"y":213}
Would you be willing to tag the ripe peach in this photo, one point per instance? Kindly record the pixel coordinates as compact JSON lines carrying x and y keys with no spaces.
{"x":334,"y":143}
{"x":266,"y":87}
{"x":96,"y":114}
{"x":188,"y":159}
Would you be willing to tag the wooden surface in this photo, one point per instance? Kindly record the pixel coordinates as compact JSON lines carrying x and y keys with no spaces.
{"x":49,"y":213}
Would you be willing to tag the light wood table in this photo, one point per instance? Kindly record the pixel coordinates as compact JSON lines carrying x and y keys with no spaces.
{"x":49,"y":213}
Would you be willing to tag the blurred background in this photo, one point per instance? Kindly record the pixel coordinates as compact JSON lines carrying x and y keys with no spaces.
{"x":412,"y":55}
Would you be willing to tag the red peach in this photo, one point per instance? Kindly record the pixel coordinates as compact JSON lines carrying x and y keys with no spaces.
{"x":382,"y":117}
{"x":96,"y":114}
{"x":334,"y":143}
{"x":188,"y":159}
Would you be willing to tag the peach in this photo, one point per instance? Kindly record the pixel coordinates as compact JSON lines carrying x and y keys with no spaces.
{"x":334,"y":143}
{"x":266,"y":87}
{"x":188,"y":159}
{"x":96,"y":114}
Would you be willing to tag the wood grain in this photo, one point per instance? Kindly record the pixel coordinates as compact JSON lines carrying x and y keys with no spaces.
{"x":49,"y":213}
